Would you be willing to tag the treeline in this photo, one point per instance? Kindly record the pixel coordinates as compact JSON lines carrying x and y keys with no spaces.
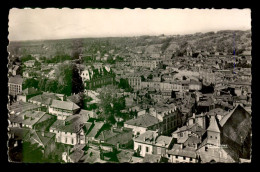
{"x":67,"y":81}
{"x":56,"y":59}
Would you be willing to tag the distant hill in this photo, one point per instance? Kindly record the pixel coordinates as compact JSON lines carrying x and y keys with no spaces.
{"x":221,"y":41}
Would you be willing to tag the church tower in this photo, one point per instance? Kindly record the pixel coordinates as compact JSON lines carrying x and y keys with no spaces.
{"x":213,"y":132}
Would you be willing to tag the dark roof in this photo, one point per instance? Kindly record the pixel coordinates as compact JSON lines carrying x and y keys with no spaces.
{"x":76,"y":155}
{"x":16,"y":80}
{"x":94,"y":131}
{"x":143,"y":121}
{"x":72,"y":124}
{"x":19,"y":133}
{"x":236,"y":125}
{"x":21,"y":106}
{"x":64,"y":105}
{"x":185,"y":152}
{"x":152,"y":158}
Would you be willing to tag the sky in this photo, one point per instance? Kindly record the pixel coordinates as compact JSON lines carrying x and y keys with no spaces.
{"x":51,"y":23}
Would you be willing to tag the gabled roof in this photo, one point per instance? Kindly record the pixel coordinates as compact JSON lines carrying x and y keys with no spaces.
{"x":143,"y":121}
{"x":64,"y":105}
{"x":76,"y":155}
{"x":72,"y":124}
{"x":151,"y":158}
{"x":16,"y":80}
{"x":225,"y":118}
{"x":236,"y":126}
{"x":94,"y":131}
{"x":185,"y":152}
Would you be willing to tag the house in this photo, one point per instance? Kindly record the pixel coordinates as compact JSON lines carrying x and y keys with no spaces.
{"x":195,"y":85}
{"x":168,"y":115}
{"x":116,"y":138}
{"x":29,"y":63}
{"x":63,"y":109}
{"x":150,"y":158}
{"x":21,"y":106}
{"x":68,"y":131}
{"x":15,"y":70}
{"x":125,"y":156}
{"x":32,"y":119}
{"x":151,"y":142}
{"x":16,"y":136}
{"x":45,"y":141}
{"x":73,"y":157}
{"x":44,"y":99}
{"x":94,"y":131}
{"x":143,"y":123}
{"x":178,"y":154}
{"x":190,"y":135}
{"x":15,"y":85}
{"x":87,"y":115}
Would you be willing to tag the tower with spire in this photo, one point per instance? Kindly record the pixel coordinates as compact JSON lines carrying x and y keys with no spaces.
{"x":213,"y":132}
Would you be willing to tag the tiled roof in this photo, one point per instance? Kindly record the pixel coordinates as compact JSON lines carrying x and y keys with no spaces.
{"x":72,"y":124}
{"x":185,"y":152}
{"x":20,"y":106}
{"x":143,"y":121}
{"x":150,"y":158}
{"x":16,"y":80}
{"x":76,"y":155}
{"x":94,"y":131}
{"x":64,"y":105}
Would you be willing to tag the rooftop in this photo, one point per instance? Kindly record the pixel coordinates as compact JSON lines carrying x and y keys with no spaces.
{"x":64,"y":105}
{"x":143,"y":121}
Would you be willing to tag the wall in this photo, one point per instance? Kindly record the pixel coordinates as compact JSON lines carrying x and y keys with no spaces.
{"x":136,"y":129}
{"x":180,"y":159}
{"x":143,"y":148}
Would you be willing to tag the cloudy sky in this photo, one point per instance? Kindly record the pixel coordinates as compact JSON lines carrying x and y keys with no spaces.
{"x":34,"y":24}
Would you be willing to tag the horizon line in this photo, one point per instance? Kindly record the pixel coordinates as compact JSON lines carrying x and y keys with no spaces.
{"x":120,"y":36}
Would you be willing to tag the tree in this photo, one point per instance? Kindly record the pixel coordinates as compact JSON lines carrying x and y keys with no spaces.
{"x":150,"y":76}
{"x":123,"y":83}
{"x":77,"y":83}
{"x":26,"y":58}
{"x":42,"y":83}
{"x":142,"y":78}
{"x":31,"y":82}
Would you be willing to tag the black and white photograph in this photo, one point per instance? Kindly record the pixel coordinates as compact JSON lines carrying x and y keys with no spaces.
{"x":129,"y":85}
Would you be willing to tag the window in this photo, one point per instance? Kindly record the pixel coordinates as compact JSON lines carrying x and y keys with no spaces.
{"x":190,"y":159}
{"x":159,"y":150}
{"x":147,"y":149}
{"x":72,"y":141}
{"x":206,"y":148}
{"x":140,"y":147}
{"x":176,"y":156}
{"x":66,"y":140}
{"x":184,"y":158}
{"x":216,"y":137}
{"x":210,"y":136}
